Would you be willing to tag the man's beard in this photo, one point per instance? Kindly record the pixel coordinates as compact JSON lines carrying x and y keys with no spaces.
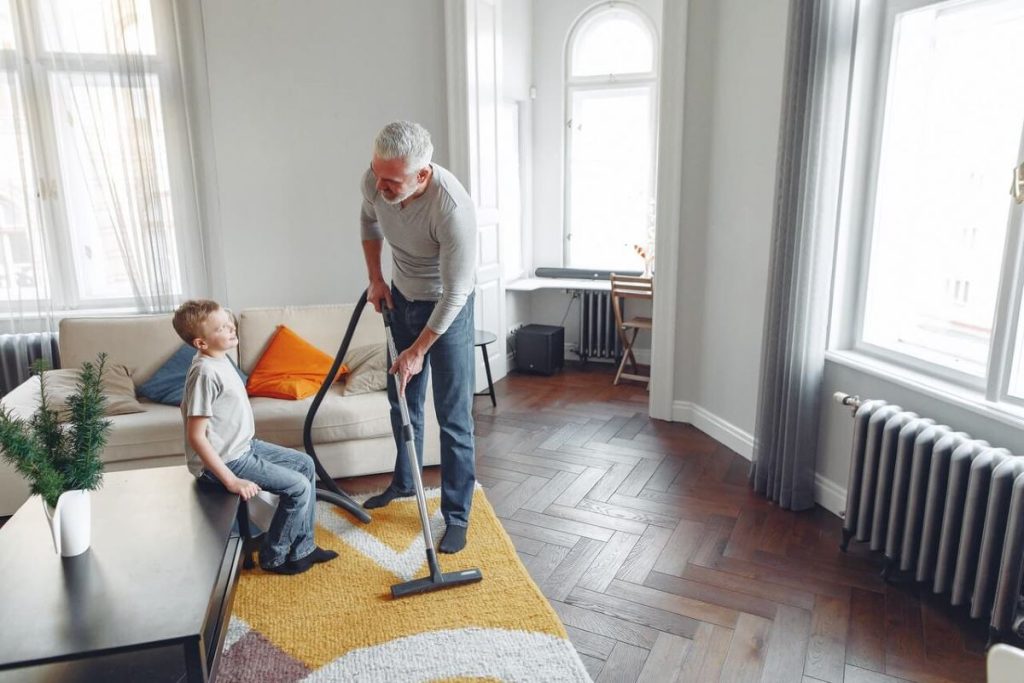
{"x":399,"y":197}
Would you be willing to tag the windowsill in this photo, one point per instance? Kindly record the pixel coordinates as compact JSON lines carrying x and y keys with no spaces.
{"x":96,"y":312}
{"x":37,"y":323}
{"x":533,"y":284}
{"x":960,"y":397}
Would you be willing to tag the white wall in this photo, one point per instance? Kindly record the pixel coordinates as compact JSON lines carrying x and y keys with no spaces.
{"x":516,"y":48}
{"x":701,"y":40}
{"x":296,"y":93}
{"x":733,"y":100}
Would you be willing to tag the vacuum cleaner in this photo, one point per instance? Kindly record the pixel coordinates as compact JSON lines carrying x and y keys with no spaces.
{"x":327,"y":490}
{"x":437,"y":579}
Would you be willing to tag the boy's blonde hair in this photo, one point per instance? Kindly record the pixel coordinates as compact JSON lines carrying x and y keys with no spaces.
{"x":190,"y":316}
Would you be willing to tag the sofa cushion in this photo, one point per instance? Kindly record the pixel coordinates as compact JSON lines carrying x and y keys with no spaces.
{"x":167,"y":385}
{"x":117,"y":388}
{"x":322,"y":326}
{"x":368,"y":369}
{"x":156,"y":431}
{"x":291,"y":368}
{"x":339,"y":418}
{"x":142,"y":343}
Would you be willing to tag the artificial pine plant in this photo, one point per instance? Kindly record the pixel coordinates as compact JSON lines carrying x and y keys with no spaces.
{"x":56,"y":457}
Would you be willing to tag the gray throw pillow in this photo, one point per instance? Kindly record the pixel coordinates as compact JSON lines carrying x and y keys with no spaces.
{"x":367,"y":369}
{"x":117,"y":387}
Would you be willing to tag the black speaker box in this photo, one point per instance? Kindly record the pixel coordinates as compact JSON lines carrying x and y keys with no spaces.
{"x":540,"y":349}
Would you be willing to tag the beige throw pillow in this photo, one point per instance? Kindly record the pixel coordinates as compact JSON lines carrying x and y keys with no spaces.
{"x":117,"y":387}
{"x":367,"y":369}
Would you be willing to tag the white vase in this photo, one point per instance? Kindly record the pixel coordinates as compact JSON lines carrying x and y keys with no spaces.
{"x":70,"y":522}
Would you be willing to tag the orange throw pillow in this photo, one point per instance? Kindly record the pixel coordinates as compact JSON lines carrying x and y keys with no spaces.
{"x":290,"y":368}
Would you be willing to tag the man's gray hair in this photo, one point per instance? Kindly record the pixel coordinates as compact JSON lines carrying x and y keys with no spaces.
{"x":405,"y":140}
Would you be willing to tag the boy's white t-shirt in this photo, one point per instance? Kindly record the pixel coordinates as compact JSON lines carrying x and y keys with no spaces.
{"x":213,"y":389}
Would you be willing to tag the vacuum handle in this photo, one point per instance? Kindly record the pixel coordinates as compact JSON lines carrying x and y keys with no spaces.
{"x":409,"y":437}
{"x":386,"y":312}
{"x":392,"y":355}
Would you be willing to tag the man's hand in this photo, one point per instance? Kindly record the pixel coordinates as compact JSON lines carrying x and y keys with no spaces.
{"x":379,"y":291}
{"x":408,"y":363}
{"x":244,"y":488}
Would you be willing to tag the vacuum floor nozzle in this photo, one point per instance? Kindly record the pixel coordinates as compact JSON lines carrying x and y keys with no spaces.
{"x":436,"y":582}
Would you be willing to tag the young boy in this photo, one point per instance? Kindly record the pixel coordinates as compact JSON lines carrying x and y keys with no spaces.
{"x":220,"y":447}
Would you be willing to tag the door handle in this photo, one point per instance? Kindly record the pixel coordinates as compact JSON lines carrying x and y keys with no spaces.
{"x":1017,"y":188}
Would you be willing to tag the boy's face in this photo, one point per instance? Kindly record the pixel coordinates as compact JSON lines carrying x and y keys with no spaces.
{"x":218,"y":333}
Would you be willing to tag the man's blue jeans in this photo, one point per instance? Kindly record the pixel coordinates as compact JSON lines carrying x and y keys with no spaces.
{"x":290,"y":475}
{"x":449,"y":364}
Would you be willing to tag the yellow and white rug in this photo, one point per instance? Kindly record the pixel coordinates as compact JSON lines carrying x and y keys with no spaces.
{"x":338,"y":621}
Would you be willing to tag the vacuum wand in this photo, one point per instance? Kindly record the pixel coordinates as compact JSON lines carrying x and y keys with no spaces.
{"x":437,"y":580}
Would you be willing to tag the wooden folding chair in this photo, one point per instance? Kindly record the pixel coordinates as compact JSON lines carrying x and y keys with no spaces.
{"x":629,"y":287}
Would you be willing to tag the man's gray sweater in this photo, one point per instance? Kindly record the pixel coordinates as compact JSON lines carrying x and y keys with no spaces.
{"x":433,"y":242}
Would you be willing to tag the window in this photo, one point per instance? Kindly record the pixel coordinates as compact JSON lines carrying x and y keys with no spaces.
{"x":611,"y":104}
{"x":92,"y":142}
{"x":941,"y":117}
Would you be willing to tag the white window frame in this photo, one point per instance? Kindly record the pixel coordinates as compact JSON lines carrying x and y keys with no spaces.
{"x":34,"y":77}
{"x":868,"y":93}
{"x":574,"y":84}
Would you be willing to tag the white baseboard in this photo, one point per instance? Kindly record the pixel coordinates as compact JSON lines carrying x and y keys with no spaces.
{"x":829,"y":495}
{"x":720,"y":430}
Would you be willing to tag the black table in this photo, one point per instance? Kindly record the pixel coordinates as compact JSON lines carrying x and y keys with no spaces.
{"x":149,"y":600}
{"x":482,"y":339}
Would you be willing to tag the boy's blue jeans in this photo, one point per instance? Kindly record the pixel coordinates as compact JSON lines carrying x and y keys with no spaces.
{"x":289,"y":474}
{"x":449,"y":363}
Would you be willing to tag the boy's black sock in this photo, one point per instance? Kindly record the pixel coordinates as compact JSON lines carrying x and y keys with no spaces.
{"x":383,"y":498}
{"x":320,"y":555}
{"x":454,"y":539}
{"x":290,"y":568}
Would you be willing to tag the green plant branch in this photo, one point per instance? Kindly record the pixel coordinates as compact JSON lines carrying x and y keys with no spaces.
{"x":55,"y":457}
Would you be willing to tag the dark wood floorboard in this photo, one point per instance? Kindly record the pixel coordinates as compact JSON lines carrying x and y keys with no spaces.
{"x":664,"y":566}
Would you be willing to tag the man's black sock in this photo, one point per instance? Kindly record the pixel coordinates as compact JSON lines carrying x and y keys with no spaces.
{"x":382,"y":499}
{"x":454,"y":539}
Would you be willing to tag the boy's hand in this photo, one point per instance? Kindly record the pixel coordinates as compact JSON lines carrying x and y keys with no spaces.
{"x":244,"y":488}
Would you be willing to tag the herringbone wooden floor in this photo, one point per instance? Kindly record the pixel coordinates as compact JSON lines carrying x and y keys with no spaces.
{"x":665,"y":567}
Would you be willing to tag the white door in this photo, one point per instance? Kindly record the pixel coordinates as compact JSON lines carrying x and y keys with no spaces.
{"x":473,"y":35}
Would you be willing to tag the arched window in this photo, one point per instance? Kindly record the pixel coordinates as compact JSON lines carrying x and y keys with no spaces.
{"x":611,"y":119}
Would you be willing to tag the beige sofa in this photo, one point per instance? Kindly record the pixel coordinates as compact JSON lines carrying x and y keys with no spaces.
{"x":352,"y":434}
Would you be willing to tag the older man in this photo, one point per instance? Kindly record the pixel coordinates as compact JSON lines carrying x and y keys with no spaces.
{"x":428,"y":218}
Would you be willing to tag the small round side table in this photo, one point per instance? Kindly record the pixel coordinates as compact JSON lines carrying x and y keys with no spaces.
{"x":482,"y":339}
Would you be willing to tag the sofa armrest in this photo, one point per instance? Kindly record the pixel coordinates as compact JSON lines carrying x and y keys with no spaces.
{"x":23,"y":400}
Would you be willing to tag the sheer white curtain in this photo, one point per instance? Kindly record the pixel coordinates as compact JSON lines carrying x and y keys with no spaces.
{"x":102,"y":173}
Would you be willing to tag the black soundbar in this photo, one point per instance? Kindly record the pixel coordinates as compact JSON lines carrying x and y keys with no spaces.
{"x":581,"y":273}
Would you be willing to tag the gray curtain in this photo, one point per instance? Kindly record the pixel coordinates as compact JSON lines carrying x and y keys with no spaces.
{"x":808,"y":179}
